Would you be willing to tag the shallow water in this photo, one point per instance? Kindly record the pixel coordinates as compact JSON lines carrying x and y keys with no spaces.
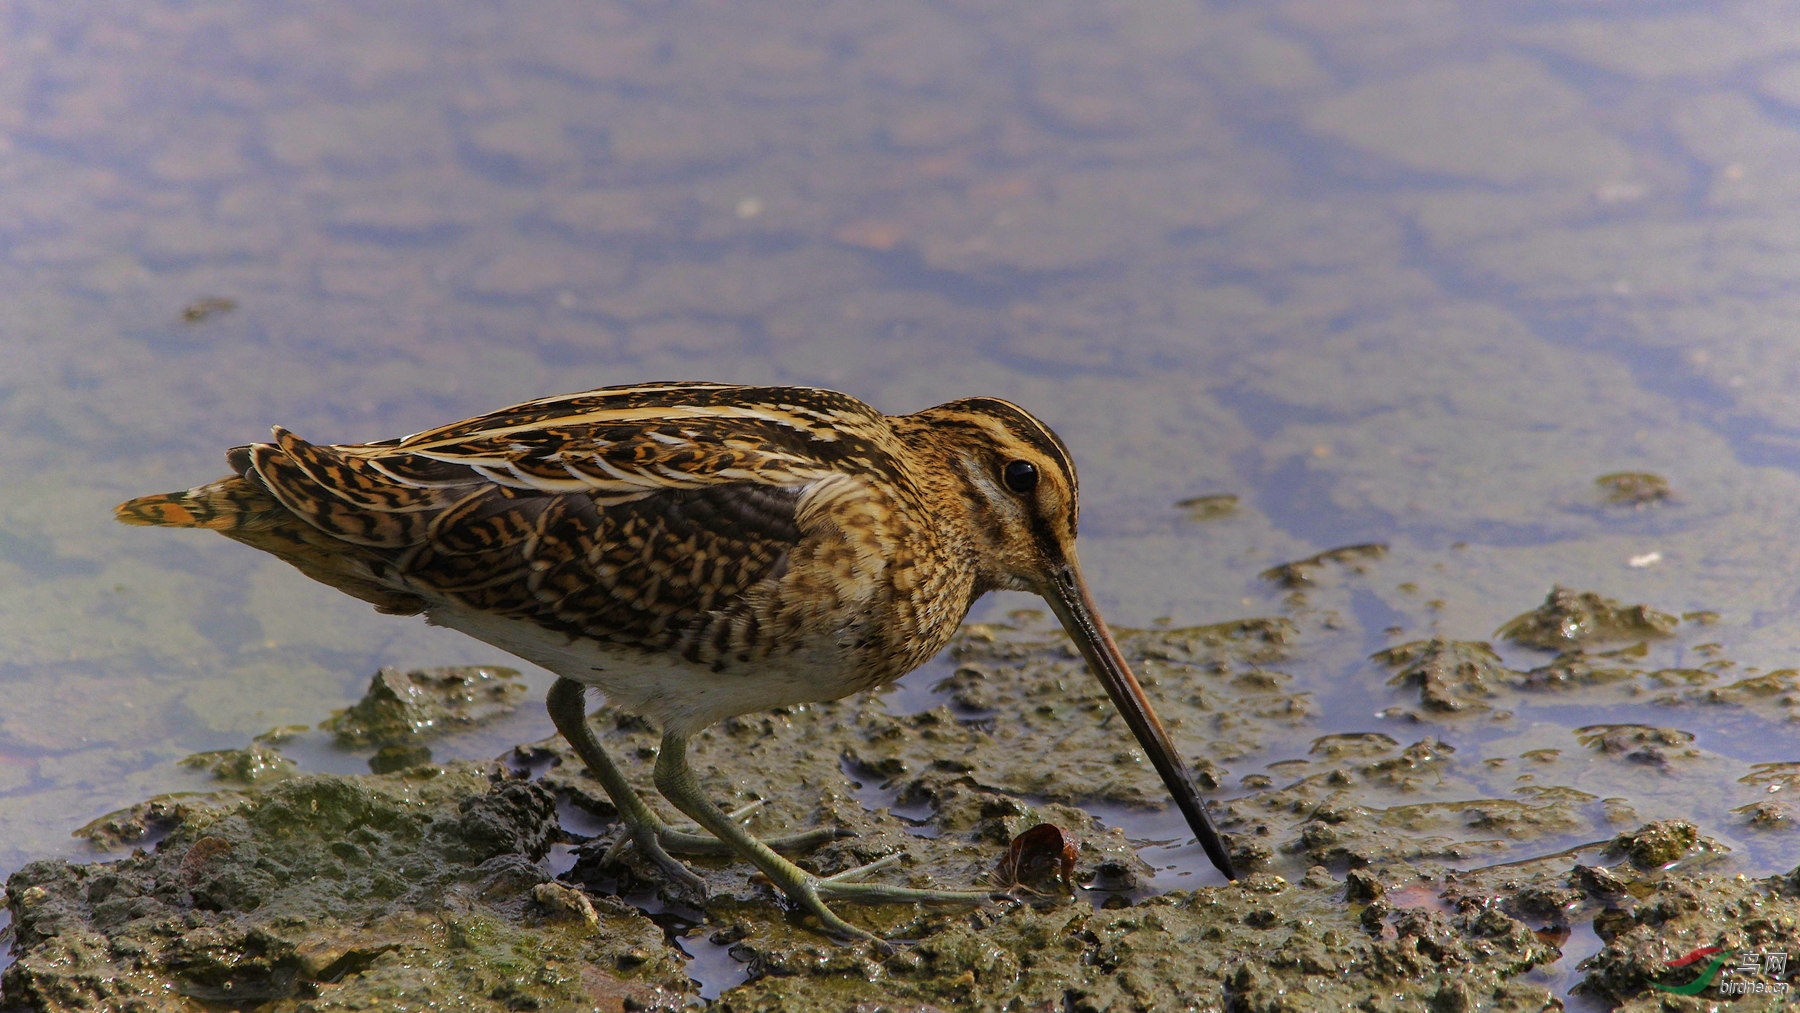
{"x":1416,"y":274}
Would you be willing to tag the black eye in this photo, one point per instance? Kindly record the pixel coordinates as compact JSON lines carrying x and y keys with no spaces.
{"x":1020,"y":476}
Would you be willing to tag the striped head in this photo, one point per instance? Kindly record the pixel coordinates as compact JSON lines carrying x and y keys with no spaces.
{"x":1019,"y":484}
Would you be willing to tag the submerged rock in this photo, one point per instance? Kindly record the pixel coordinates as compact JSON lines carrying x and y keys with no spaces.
{"x":1206,"y":508}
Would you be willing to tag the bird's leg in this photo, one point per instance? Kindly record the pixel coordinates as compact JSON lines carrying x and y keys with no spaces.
{"x":567,"y":704}
{"x":677,"y":783}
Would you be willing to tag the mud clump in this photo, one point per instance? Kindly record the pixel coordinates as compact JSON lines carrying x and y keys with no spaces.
{"x":1744,"y":918}
{"x":1658,"y":844}
{"x":1299,"y":573}
{"x":254,"y":763}
{"x":1636,"y":489}
{"x":403,"y":709}
{"x":332,"y":893}
{"x":206,"y":308}
{"x":148,"y":820}
{"x":1656,"y":747}
{"x":1452,"y":675}
{"x":1206,"y":508}
{"x":1255,"y":945}
{"x":1577,"y":668}
{"x":1576,"y":618}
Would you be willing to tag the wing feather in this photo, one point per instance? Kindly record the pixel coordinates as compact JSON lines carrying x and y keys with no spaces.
{"x":636,"y":515}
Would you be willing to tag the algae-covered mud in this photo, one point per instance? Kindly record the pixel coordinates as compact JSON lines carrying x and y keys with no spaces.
{"x":1429,"y":368}
{"x":398,"y":892}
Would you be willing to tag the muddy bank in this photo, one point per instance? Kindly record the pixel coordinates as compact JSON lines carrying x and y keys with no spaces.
{"x":1387,"y":870}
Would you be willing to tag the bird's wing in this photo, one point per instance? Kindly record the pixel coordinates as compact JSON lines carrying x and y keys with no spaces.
{"x":626,"y":514}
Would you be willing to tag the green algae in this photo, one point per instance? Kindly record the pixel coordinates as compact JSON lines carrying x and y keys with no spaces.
{"x":1658,"y":844}
{"x":1643,"y":935}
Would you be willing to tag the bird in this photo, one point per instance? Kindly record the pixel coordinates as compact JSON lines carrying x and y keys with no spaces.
{"x":696,"y":551}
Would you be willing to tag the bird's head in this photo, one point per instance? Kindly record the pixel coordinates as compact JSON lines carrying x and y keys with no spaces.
{"x":1019,"y":485}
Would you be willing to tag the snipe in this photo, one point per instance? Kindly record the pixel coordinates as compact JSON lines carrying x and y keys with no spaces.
{"x":697,"y":551}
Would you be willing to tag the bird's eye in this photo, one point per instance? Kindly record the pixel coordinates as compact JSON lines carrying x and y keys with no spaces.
{"x":1020,"y":476}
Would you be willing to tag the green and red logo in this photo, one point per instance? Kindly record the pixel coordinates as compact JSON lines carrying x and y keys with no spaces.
{"x":1699,"y":984}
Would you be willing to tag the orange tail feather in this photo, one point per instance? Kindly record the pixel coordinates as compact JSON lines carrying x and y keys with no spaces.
{"x":225,"y":505}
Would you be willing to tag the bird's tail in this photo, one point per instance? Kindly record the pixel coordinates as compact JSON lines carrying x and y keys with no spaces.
{"x":229,"y":504}
{"x":241,"y":507}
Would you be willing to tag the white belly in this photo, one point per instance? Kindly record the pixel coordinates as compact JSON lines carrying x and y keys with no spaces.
{"x":678,"y":695}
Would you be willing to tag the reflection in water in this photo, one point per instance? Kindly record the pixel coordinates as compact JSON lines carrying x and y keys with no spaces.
{"x":1417,"y":275}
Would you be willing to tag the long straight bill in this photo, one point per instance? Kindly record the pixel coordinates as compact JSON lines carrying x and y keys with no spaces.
{"x":1073,"y":605}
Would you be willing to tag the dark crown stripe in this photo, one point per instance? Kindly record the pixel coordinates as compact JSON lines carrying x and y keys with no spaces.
{"x":1023,"y":425}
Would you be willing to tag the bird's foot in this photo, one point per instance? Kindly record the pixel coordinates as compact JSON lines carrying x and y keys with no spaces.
{"x":691,"y":835}
{"x":811,"y":892}
{"x":660,"y":842}
{"x":807,"y":890}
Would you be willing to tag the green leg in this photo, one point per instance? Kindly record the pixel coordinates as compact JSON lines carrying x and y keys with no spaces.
{"x":676,"y":782}
{"x":567,"y":704}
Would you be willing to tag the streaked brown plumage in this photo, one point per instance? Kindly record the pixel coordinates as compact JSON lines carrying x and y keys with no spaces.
{"x":696,"y":550}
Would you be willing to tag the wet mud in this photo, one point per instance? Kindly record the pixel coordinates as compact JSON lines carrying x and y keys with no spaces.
{"x":1385,"y":872}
